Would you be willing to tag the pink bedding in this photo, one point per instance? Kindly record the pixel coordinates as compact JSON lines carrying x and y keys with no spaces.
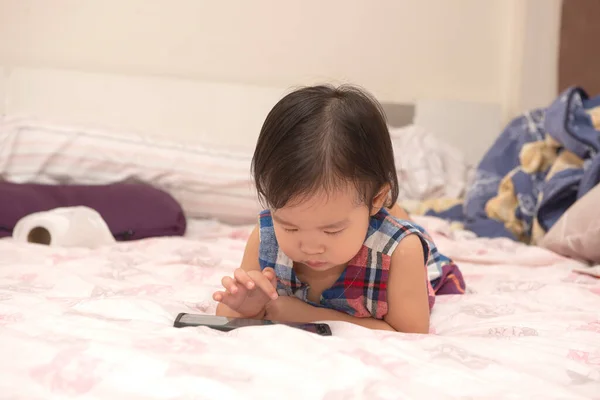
{"x":97,"y":324}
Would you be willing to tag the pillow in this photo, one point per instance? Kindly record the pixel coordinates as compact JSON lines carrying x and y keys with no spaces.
{"x":427,"y":167}
{"x":577,"y":232}
{"x":131,"y":211}
{"x":207,"y":182}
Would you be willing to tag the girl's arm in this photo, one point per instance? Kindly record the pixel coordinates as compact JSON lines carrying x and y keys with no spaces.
{"x":250,"y":265}
{"x":407,"y":295}
{"x":325,"y":314}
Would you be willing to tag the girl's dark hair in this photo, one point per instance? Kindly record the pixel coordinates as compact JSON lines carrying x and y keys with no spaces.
{"x":322,"y":138}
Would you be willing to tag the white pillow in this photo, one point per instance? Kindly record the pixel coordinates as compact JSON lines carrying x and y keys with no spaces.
{"x":207,"y":182}
{"x":427,"y":167}
{"x":576,"y":234}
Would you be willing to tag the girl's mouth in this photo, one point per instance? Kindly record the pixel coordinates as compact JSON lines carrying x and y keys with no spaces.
{"x":316,"y":264}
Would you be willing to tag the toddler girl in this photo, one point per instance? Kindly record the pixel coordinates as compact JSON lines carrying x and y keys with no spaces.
{"x":333,"y":245}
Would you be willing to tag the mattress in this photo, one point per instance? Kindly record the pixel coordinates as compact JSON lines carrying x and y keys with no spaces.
{"x":98,"y":324}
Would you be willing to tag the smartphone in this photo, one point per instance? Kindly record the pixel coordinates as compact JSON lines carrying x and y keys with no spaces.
{"x":226,"y":324}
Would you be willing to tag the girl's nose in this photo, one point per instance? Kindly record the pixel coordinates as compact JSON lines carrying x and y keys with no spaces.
{"x":311,"y":249}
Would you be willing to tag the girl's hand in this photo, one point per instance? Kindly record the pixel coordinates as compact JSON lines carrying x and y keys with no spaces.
{"x":248,"y":292}
{"x":289,"y":309}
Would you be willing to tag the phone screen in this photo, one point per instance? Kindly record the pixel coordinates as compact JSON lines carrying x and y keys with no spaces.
{"x":227,"y":324}
{"x":213,"y":320}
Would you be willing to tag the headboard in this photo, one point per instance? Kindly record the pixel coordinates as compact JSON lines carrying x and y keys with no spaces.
{"x":216,"y":113}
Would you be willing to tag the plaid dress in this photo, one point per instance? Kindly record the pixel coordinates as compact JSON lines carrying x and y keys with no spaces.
{"x":361,"y":290}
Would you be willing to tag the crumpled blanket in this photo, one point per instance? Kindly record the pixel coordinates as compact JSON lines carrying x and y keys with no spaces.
{"x":541,"y":164}
{"x":426,"y":166}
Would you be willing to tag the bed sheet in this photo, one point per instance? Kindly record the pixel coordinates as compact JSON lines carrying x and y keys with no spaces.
{"x":98,"y":324}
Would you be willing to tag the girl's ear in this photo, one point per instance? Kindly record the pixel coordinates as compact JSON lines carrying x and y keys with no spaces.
{"x":380,"y":199}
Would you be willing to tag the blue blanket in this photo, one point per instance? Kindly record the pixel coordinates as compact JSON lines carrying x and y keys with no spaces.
{"x":541,"y":163}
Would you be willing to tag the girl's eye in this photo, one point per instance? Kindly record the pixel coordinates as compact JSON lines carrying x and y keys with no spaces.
{"x":290,"y":230}
{"x":334,"y":233}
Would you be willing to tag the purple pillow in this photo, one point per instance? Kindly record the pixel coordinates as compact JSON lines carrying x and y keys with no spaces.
{"x":131,"y":211}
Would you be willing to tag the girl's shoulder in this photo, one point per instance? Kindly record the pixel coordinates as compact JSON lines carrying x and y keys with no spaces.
{"x":387,"y":231}
{"x":386,"y":222}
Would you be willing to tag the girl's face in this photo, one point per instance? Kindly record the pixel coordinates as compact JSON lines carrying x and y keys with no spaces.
{"x":323,"y":231}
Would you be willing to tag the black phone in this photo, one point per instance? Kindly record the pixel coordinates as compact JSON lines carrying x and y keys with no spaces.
{"x":226,"y":324}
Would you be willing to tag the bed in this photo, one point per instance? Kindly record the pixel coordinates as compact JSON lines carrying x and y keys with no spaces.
{"x":98,"y":323}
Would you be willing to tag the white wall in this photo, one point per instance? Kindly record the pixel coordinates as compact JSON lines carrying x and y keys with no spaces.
{"x":2,"y":89}
{"x":402,"y":50}
{"x":530,"y":72}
